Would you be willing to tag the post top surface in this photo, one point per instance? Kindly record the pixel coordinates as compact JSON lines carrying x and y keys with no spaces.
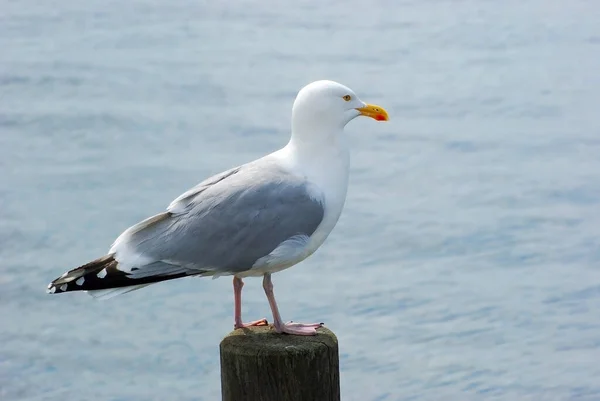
{"x":264,"y":339}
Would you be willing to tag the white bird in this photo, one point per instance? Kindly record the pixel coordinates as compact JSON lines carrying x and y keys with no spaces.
{"x":253,"y":220}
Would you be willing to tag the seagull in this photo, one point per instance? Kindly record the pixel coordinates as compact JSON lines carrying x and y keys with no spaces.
{"x":253,"y":220}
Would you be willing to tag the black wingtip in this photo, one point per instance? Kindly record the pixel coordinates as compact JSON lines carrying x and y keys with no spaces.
{"x":65,"y":284}
{"x":102,"y":274}
{"x":75,"y":280}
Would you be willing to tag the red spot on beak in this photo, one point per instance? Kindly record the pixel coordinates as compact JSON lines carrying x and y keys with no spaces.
{"x":380,"y":117}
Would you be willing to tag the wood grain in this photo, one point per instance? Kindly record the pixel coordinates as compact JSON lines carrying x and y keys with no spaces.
{"x":257,"y":364}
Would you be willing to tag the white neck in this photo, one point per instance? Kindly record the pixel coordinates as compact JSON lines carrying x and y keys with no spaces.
{"x":320,"y":155}
{"x":314,"y":144}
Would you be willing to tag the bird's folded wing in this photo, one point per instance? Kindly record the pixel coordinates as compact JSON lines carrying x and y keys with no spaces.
{"x":224,"y":225}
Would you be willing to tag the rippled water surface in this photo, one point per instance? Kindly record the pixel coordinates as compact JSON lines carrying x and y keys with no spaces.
{"x":464,"y":267}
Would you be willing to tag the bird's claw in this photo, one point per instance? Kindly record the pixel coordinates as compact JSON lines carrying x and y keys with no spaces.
{"x":301,"y":329}
{"x":260,"y":322}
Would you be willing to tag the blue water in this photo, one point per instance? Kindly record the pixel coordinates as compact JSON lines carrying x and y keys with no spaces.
{"x":466,"y":264}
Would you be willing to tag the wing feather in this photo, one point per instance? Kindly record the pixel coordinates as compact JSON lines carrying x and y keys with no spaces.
{"x":224,"y":225}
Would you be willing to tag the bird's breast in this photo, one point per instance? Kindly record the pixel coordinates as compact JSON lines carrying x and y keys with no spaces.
{"x":327,"y":175}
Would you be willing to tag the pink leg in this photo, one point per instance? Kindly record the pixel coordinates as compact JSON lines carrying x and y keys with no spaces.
{"x":302,"y":329}
{"x":237,"y":301}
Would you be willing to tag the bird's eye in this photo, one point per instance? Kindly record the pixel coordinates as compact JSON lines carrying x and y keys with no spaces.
{"x":347,"y":98}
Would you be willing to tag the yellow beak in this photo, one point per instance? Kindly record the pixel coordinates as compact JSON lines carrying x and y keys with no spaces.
{"x":374,"y":111}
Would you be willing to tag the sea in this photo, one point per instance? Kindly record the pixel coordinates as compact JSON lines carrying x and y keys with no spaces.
{"x":466,"y":263}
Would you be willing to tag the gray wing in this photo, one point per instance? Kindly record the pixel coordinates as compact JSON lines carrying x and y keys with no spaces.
{"x":225,"y":224}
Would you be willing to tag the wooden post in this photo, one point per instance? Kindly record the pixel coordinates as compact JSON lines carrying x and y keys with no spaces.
{"x":257,"y":364}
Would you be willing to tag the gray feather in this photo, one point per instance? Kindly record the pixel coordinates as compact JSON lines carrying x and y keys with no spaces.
{"x":228,"y":222}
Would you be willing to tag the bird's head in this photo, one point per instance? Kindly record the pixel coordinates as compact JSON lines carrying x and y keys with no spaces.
{"x":330,"y":105}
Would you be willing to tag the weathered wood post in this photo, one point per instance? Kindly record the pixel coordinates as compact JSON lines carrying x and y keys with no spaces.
{"x":257,"y":364}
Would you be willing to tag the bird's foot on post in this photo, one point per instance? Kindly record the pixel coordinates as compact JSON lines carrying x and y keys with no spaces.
{"x":300,"y":329}
{"x":260,"y":322}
